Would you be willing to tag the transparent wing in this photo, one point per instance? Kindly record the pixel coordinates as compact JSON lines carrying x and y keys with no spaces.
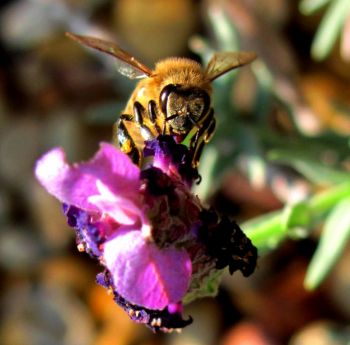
{"x":223,"y":62}
{"x":127,"y":65}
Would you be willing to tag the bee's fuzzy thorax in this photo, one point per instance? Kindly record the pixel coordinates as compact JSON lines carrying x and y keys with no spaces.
{"x":181,"y":71}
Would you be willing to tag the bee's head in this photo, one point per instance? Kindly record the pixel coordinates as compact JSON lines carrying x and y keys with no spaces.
{"x":184,"y":107}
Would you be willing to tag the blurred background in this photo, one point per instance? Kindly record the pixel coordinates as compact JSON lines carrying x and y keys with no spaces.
{"x":279,"y":164}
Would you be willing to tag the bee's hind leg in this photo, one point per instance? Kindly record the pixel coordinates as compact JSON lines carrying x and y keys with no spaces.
{"x":124,"y":140}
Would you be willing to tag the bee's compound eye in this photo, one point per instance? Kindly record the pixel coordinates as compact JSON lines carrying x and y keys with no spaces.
{"x":197,"y":108}
{"x":198,"y":102}
{"x":164,"y":95}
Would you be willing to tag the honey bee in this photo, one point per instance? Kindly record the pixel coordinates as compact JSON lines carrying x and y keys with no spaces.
{"x":173,"y":99}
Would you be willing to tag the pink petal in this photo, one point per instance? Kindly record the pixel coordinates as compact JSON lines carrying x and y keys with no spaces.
{"x":74,"y":184}
{"x":122,"y":210}
{"x":144,"y":274}
{"x":114,"y":169}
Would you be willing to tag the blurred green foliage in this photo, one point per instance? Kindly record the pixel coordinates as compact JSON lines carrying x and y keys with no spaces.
{"x":261,"y":147}
{"x":331,"y":26}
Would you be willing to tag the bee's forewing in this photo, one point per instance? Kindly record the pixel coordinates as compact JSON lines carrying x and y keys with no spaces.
{"x":223,"y":62}
{"x":127,"y":65}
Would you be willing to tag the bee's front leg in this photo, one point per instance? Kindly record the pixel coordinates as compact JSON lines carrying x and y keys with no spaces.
{"x":142,"y":117}
{"x":132,"y":130}
{"x":202,"y":137}
{"x":152,"y":115}
{"x":210,"y":128}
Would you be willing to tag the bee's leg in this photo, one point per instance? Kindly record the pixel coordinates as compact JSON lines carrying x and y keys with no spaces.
{"x":152,"y":111}
{"x":205,"y":131}
{"x":139,"y":115}
{"x":152,"y":114}
{"x":138,"y":110}
{"x":124,"y":140}
{"x":210,"y":130}
{"x":202,"y":137}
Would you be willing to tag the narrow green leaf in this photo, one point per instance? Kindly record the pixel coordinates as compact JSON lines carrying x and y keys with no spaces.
{"x":263,"y":97}
{"x":223,"y":29}
{"x":312,"y":169}
{"x":335,"y":235}
{"x":322,"y":202}
{"x":329,"y":29}
{"x":296,"y":216}
{"x":310,"y":6}
{"x":265,"y":231}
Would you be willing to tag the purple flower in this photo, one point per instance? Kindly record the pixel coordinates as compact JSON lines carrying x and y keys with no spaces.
{"x":172,"y":158}
{"x":159,"y":246}
{"x":107,"y":191}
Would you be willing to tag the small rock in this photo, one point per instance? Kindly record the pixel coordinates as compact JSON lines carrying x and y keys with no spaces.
{"x":18,"y":147}
{"x":246,"y":333}
{"x":115,"y":323}
{"x":50,"y":219}
{"x":321,"y":333}
{"x":41,"y":316}
{"x":206,"y":325}
{"x":20,"y":250}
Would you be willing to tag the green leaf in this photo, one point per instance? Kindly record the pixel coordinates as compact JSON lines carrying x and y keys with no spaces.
{"x":263,"y":99}
{"x":223,"y":29}
{"x":296,"y":216}
{"x":265,"y":231}
{"x":323,"y":202}
{"x":312,"y":169}
{"x":329,"y":29}
{"x":310,"y":6}
{"x":335,"y":235}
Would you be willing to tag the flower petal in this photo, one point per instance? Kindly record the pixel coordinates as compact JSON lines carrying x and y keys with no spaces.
{"x":144,"y":274}
{"x":115,"y":169}
{"x":122,"y":210}
{"x":74,"y":184}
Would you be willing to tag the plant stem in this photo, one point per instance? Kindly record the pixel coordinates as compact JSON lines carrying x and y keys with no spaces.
{"x":267,"y":230}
